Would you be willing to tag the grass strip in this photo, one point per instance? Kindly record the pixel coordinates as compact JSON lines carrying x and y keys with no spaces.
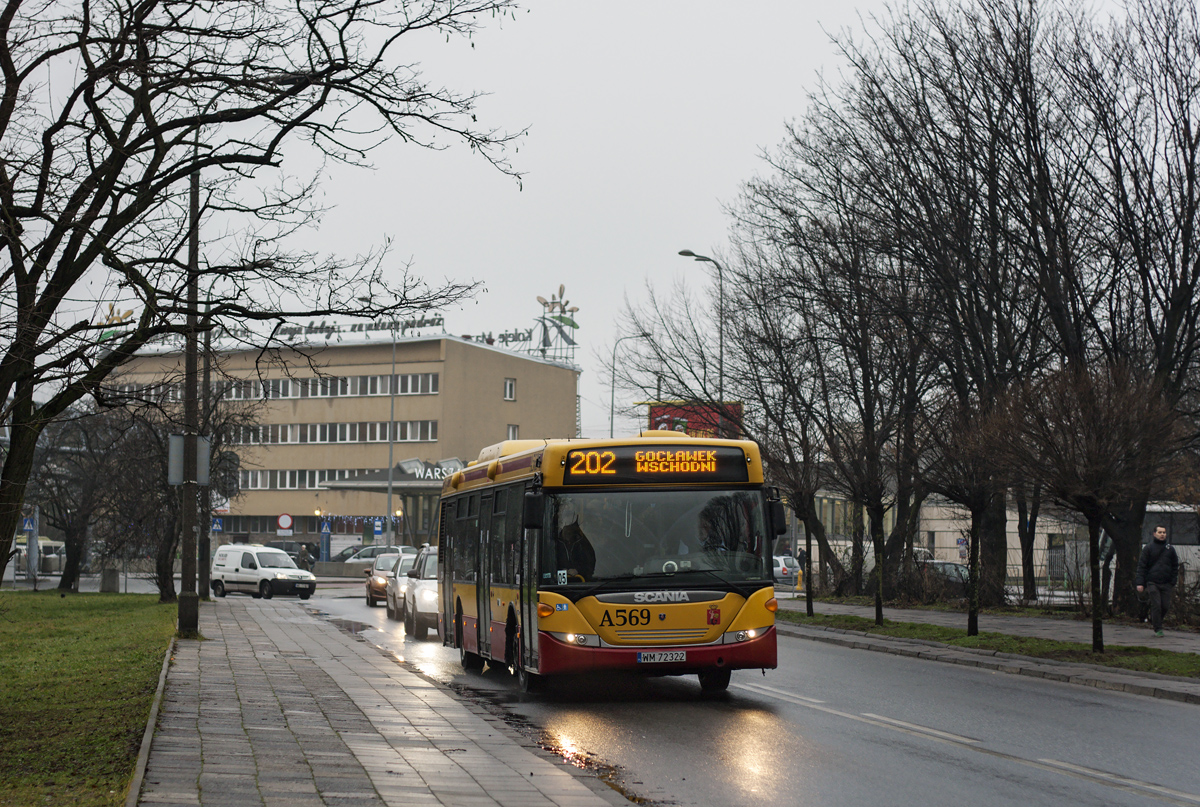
{"x":1140,"y":659}
{"x":79,"y":676}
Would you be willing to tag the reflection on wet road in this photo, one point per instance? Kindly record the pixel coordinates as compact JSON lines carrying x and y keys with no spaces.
{"x":834,"y":726}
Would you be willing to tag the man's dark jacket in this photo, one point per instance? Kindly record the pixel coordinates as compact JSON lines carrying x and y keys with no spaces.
{"x":1158,"y":564}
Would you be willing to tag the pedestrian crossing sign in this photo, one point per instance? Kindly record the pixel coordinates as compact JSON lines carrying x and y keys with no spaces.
{"x":27,"y":525}
{"x":217,"y":525}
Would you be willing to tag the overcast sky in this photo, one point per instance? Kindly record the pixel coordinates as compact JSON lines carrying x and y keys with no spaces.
{"x":644,"y":118}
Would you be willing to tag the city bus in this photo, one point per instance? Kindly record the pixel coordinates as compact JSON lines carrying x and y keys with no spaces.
{"x":649,"y":554}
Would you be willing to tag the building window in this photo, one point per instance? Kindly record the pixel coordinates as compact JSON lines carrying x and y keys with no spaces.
{"x":513,"y":431}
{"x":510,"y":390}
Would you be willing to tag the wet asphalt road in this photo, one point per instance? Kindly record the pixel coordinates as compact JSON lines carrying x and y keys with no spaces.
{"x":840,"y":726}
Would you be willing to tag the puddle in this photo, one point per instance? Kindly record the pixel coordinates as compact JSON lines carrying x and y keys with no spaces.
{"x":355,"y":629}
{"x":497,"y":703}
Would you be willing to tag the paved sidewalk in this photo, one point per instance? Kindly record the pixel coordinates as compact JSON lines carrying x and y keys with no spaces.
{"x":1095,"y":675}
{"x":1063,"y":629}
{"x":277,"y":707}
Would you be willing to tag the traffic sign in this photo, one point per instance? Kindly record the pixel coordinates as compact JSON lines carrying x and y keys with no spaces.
{"x":325,"y":528}
{"x":379,"y":526}
{"x":27,"y":525}
{"x":217,"y":525}
{"x":284,"y":525}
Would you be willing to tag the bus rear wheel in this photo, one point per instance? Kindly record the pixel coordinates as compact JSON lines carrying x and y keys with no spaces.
{"x":714,"y":680}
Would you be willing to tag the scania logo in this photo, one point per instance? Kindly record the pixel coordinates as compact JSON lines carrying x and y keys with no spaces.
{"x":661,"y":596}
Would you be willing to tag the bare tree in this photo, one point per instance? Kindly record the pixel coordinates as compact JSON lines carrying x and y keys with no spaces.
{"x":141,"y":514}
{"x":766,"y":368}
{"x":107,"y":111}
{"x":1140,"y":82}
{"x":74,"y":472}
{"x":1094,"y":437}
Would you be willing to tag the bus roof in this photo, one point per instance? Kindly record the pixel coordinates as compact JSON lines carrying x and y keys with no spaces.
{"x":512,"y":460}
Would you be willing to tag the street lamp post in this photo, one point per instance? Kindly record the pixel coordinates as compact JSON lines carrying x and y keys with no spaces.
{"x":189,"y":599}
{"x":687,"y":253}
{"x":612,"y":405}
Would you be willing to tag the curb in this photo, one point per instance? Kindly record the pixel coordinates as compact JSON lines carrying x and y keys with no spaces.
{"x":139,"y":771}
{"x":1186,"y":690}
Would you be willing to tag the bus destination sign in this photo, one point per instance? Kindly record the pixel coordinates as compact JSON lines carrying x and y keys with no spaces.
{"x":655,"y":464}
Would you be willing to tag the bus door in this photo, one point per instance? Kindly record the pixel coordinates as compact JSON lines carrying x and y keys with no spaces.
{"x":483,"y":576}
{"x":529,"y":580}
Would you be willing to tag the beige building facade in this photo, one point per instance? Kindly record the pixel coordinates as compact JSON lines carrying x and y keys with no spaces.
{"x":318,"y":449}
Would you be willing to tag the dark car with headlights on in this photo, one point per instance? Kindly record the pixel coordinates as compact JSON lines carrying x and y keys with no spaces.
{"x":377,"y":577}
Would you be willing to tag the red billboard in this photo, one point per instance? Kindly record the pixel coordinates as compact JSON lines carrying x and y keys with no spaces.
{"x":697,"y":419}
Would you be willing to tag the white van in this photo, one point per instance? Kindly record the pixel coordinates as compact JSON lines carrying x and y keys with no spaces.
{"x":260,"y":571}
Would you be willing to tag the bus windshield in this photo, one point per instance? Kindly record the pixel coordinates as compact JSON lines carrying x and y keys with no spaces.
{"x":614,"y":535}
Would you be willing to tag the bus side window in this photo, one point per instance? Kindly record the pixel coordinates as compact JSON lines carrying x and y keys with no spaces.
{"x":470,"y":537}
{"x":459,"y":543}
{"x":496,"y":559}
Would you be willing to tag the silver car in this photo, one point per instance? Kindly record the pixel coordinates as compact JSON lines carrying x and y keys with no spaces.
{"x":364,"y":558}
{"x":397,"y":584}
{"x":787,"y":570}
{"x":421,"y":599}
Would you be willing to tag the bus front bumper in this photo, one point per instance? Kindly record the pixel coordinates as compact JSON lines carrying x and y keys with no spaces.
{"x":559,"y":658}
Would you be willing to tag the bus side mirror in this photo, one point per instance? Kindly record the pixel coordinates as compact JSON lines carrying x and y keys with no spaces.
{"x":778,"y":517}
{"x":531,"y":514}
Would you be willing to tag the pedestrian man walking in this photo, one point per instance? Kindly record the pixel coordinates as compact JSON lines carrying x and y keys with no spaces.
{"x":1157,"y":571}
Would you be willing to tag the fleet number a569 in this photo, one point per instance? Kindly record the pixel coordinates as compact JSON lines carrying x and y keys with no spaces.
{"x":626,"y":616}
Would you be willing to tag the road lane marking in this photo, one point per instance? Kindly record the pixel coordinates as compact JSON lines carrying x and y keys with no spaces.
{"x":1115,"y":777}
{"x":766,"y":688}
{"x":924,"y":729}
{"x":1104,"y":778}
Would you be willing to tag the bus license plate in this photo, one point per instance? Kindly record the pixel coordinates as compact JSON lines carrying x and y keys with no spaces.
{"x":660,"y":656}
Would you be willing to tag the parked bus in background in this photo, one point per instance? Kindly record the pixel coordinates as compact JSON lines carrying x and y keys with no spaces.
{"x":649,"y":553}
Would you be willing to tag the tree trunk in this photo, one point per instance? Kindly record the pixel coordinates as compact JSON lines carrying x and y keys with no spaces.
{"x":857,"y":559}
{"x":973,"y":574}
{"x":993,"y":539}
{"x":808,"y":589}
{"x":813,"y":528}
{"x":18,"y":463}
{"x":1027,"y":515}
{"x":75,"y":538}
{"x":1124,"y":525}
{"x":1094,"y":568}
{"x":876,"y":514}
{"x":164,"y":562}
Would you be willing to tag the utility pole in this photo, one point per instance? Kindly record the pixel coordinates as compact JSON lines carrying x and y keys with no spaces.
{"x":189,"y":601}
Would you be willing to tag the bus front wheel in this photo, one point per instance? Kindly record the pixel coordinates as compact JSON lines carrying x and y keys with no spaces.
{"x":714,"y":680}
{"x":529,"y":682}
{"x":471,"y":662}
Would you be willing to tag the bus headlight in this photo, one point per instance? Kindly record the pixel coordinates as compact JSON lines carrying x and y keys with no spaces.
{"x":579,"y":639}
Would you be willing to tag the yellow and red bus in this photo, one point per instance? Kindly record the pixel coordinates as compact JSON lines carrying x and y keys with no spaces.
{"x":650,"y":553}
